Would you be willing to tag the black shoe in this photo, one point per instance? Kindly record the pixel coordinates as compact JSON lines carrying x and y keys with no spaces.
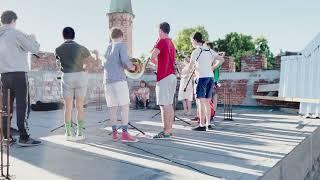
{"x":199,"y":128}
{"x":28,"y":142}
{"x":12,"y":141}
{"x":210,"y":127}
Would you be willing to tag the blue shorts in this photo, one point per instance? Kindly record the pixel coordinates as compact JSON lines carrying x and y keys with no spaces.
{"x":205,"y":88}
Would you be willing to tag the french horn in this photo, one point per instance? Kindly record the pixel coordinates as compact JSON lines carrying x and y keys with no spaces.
{"x":140,"y":68}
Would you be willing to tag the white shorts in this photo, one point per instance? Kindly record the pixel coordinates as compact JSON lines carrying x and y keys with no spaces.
{"x":74,"y":84}
{"x":117,"y":94}
{"x":166,"y":89}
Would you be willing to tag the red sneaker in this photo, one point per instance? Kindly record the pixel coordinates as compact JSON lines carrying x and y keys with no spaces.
{"x":115,"y":136}
{"x":126,"y":137}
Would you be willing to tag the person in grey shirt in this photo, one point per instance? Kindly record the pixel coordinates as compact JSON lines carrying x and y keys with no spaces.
{"x":116,"y":86}
{"x":14,"y":48}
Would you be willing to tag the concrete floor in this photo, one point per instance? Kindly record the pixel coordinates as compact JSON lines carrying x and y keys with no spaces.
{"x":243,"y":149}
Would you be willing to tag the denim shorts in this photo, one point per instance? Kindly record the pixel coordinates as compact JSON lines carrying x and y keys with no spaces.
{"x":205,"y":88}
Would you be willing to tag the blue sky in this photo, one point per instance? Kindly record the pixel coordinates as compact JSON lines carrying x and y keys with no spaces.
{"x":287,"y":24}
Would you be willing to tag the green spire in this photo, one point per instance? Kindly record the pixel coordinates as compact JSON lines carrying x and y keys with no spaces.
{"x":120,"y":6}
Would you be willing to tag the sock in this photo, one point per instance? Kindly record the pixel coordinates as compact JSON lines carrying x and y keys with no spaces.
{"x":114,"y":128}
{"x":124,"y":128}
{"x":80,"y":127}
{"x":68,"y":128}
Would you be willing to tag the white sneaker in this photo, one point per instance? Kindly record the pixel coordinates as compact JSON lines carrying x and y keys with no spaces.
{"x":68,"y":138}
{"x":80,"y":137}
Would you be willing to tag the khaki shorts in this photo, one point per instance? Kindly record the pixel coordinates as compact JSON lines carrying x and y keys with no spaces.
{"x":74,"y":84}
{"x":117,"y":94}
{"x":166,"y":89}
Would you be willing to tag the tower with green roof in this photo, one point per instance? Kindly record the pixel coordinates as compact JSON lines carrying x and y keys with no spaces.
{"x":120,"y":15}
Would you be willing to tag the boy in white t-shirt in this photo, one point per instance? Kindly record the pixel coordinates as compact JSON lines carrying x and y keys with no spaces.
{"x":204,"y":60}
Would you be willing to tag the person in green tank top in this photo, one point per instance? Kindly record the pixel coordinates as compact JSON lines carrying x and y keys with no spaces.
{"x":216,"y":73}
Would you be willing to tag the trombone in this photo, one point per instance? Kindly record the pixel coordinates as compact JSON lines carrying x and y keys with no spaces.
{"x":140,"y":68}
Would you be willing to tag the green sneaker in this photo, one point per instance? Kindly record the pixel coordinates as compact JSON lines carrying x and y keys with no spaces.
{"x":162,"y":135}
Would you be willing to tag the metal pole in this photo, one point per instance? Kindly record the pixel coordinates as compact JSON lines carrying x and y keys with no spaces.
{"x":8,"y":131}
{"x":1,"y":126}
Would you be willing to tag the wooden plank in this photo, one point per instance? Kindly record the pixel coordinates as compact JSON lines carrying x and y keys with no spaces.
{"x":268,"y":87}
{"x":274,"y":98}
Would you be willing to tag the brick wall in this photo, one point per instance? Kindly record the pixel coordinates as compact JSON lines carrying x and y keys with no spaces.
{"x":124,"y":21}
{"x":235,"y":89}
{"x":253,"y":63}
{"x":229,"y":65}
{"x":45,"y":86}
{"x":46,"y":62}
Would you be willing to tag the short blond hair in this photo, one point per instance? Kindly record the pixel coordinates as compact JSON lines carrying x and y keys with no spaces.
{"x":116,"y":33}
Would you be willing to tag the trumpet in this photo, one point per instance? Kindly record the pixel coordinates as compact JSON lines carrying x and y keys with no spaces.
{"x":140,"y":68}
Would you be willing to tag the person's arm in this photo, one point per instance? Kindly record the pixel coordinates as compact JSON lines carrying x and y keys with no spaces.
{"x":28,"y":43}
{"x":156,"y":51}
{"x":217,"y":60}
{"x":58,"y":60}
{"x":193,"y":58}
{"x":86,"y":56}
{"x":154,"y":56}
{"x":124,"y":58}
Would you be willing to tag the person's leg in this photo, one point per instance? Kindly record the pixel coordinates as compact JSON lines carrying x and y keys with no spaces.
{"x":68,"y":106}
{"x":207,"y":111}
{"x":202,"y":110}
{"x":215,"y":99}
{"x":167,"y":115}
{"x":165,"y":90}
{"x":5,"y":92}
{"x":124,"y":117}
{"x":126,"y":137}
{"x":80,"y":114}
{"x":201,"y":92}
{"x":21,"y":89}
{"x":114,"y":118}
{"x":189,"y":107}
{"x":185,"y":106}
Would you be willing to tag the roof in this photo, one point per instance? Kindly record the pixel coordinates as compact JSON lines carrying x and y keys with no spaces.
{"x":120,"y":6}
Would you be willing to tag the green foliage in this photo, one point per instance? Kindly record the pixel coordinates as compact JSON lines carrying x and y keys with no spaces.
{"x":238,"y":45}
{"x":183,"y":42}
{"x":233,"y":44}
{"x":263,"y":48}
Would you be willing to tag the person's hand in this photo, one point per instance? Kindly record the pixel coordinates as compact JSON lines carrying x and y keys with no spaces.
{"x":95,"y":52}
{"x":134,"y":70}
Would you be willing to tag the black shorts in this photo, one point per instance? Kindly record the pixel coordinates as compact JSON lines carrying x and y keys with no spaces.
{"x":205,"y":88}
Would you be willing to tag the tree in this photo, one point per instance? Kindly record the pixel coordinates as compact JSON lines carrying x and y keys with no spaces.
{"x":183,"y":43}
{"x":263,"y":48}
{"x":236,"y":45}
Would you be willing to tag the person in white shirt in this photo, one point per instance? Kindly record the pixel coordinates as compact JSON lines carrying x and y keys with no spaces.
{"x":186,"y":89}
{"x":204,"y":60}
